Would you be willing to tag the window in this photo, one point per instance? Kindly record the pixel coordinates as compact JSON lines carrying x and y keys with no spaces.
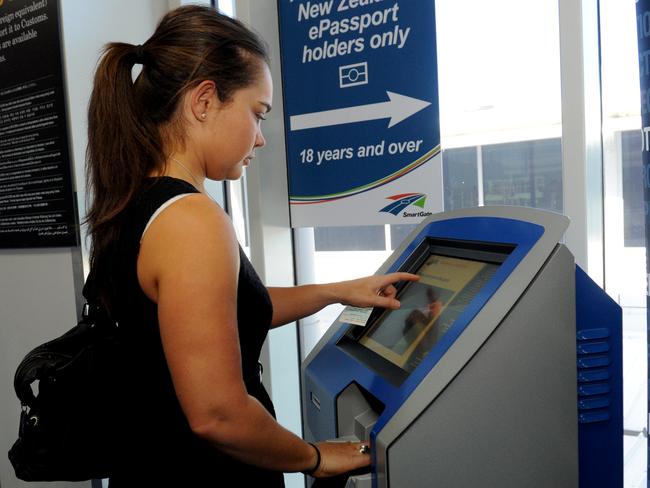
{"x":633,"y":208}
{"x":460,"y":173}
{"x":625,"y":254}
{"x":527,"y":173}
{"x":367,"y":238}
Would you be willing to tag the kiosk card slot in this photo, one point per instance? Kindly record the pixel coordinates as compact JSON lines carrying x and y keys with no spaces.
{"x":357,"y":413}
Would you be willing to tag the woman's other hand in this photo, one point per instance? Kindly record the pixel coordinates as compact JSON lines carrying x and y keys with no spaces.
{"x":341,"y":457}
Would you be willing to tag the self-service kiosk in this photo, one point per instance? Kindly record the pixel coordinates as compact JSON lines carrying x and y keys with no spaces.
{"x":502,"y":368}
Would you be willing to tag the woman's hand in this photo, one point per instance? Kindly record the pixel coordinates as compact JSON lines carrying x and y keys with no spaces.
{"x":294,"y":303}
{"x":372,"y":291}
{"x":341,"y":457}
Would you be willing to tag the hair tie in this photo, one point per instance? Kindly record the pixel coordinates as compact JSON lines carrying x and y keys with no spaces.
{"x":139,"y":54}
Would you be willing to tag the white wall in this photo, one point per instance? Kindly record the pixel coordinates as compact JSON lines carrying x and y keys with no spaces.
{"x":37,"y":302}
{"x":39,"y":288}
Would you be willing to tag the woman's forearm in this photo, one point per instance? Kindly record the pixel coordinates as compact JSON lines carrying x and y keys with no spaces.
{"x":294,"y":303}
{"x":290,"y":304}
{"x":250,"y":434}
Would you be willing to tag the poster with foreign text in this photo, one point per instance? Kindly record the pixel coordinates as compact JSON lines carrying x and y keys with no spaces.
{"x":37,"y":206}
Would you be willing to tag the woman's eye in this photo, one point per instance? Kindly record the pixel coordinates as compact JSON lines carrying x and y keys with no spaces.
{"x":261,"y":117}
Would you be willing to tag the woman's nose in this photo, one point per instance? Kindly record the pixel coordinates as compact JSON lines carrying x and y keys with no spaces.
{"x":259,"y":140}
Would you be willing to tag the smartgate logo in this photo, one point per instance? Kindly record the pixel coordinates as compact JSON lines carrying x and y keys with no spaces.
{"x":404,"y":200}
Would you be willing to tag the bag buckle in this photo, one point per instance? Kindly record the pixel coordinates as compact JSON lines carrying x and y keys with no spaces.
{"x":85,"y":312}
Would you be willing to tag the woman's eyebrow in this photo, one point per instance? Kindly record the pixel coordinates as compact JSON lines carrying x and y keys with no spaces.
{"x":268,"y":107}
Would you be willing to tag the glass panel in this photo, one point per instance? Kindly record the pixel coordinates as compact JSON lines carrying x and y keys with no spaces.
{"x":527,"y":173}
{"x":399,"y":232}
{"x":625,"y":277}
{"x":367,"y":238}
{"x":238,"y":210}
{"x":633,"y":208}
{"x":226,"y":7}
{"x":460,"y":176}
{"x":499,"y":74}
{"x":513,"y":113}
{"x":216,"y":190}
{"x":331,"y":254}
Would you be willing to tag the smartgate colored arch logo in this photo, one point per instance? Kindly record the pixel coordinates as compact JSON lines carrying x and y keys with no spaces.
{"x":404,"y":200}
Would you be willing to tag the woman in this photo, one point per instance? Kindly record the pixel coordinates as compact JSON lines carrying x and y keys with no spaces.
{"x":166,"y":264}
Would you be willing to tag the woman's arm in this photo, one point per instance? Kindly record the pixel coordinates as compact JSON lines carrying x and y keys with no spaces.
{"x":290,"y":304}
{"x":192,"y":276}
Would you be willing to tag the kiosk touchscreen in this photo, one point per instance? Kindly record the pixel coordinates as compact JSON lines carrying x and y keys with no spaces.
{"x":451,"y":275}
{"x":502,"y":367}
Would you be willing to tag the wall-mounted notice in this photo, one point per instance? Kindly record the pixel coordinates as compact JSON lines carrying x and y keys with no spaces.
{"x":361,"y":110}
{"x":37,"y":206}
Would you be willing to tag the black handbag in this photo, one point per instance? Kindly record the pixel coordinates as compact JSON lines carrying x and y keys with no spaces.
{"x":68,"y":426}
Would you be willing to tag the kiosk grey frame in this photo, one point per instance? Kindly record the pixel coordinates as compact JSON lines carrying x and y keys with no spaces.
{"x":503,"y":397}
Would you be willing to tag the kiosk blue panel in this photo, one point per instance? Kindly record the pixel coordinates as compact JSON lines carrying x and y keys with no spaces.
{"x":600,"y":385}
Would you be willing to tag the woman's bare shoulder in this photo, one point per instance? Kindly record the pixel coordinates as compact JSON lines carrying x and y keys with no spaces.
{"x":192,"y":236}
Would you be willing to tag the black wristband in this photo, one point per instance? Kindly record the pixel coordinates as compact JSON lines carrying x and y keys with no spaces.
{"x":318,"y":460}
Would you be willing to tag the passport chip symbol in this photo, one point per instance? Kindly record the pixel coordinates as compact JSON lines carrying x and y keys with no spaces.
{"x":353,"y":75}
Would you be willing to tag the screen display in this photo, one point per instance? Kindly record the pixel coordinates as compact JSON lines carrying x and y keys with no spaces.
{"x":428,"y":309}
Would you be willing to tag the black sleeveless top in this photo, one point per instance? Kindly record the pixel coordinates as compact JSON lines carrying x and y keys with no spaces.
{"x":158,"y":446}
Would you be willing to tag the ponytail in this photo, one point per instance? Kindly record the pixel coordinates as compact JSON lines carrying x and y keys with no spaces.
{"x":123,"y":145}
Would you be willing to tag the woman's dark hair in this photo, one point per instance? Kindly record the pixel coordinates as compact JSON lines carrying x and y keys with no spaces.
{"x":129,"y":123}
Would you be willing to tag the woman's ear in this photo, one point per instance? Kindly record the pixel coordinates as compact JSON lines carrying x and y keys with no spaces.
{"x":203,"y":99}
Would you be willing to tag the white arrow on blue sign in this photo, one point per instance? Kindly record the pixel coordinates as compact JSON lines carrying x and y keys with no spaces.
{"x":398,"y":108}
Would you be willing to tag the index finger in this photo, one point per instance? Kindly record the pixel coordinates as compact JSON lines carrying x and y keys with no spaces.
{"x":401,"y":276}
